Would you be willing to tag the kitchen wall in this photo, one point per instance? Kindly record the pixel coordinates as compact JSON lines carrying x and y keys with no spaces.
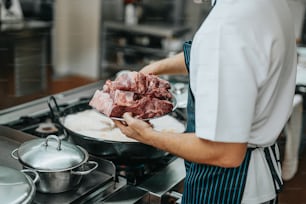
{"x":76,"y":37}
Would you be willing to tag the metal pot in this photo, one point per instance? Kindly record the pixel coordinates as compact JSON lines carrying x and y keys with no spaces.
{"x":60,"y":164}
{"x":114,"y":150}
{"x":17,"y":187}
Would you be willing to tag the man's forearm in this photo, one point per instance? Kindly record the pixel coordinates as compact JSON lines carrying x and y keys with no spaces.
{"x":171,"y":65}
{"x":198,"y":150}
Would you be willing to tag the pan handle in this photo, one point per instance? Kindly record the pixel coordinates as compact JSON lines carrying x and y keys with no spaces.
{"x":13,"y":154}
{"x":94,"y":166}
{"x":54,"y":108}
{"x":65,"y":135}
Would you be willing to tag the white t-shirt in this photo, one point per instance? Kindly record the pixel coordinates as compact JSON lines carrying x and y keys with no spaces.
{"x":242,"y":74}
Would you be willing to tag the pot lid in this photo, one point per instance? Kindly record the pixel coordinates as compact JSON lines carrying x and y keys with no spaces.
{"x":51,"y":154}
{"x":15,"y":187}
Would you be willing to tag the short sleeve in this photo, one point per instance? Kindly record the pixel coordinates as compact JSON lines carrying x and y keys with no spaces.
{"x":224,"y":83}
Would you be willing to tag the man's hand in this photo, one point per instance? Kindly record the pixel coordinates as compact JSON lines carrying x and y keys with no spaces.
{"x":133,"y":128}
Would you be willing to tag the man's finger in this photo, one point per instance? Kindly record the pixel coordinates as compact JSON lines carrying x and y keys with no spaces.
{"x":127,"y":117}
{"x":120,"y":123}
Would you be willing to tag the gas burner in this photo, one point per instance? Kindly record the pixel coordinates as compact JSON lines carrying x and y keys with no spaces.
{"x":40,"y":126}
{"x":137,"y":172}
{"x":133,"y":173}
{"x":47,"y":128}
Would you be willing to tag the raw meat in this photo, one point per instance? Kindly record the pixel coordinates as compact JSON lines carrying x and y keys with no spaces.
{"x":145,"y":96}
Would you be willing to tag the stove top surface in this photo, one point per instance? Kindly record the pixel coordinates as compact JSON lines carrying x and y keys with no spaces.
{"x":114,"y":181}
{"x":102,"y":178}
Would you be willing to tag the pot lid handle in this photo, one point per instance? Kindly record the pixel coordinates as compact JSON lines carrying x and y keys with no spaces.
{"x":57,"y":139}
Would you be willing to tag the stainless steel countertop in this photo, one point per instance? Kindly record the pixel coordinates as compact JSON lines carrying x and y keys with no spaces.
{"x":154,"y":189}
{"x":24,"y":25}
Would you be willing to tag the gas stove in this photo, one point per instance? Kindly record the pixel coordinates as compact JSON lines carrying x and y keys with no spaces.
{"x":151,"y":181}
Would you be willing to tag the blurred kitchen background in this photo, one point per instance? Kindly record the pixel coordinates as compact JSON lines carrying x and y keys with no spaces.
{"x":74,"y":42}
{"x":50,"y":46}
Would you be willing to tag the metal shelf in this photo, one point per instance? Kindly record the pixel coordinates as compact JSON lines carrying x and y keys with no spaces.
{"x":153,"y":30}
{"x":134,"y":48}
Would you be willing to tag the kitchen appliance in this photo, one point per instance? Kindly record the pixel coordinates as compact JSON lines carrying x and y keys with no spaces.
{"x":10,"y":11}
{"x":115,"y":180}
{"x":169,"y":12}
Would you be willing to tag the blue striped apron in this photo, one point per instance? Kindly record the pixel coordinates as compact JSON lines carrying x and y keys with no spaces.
{"x":206,"y":183}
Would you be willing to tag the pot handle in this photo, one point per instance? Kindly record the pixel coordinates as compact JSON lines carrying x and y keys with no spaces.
{"x":13,"y":154}
{"x":94,"y":166}
{"x":29,"y":172}
{"x":56,"y":138}
{"x":54,"y":108}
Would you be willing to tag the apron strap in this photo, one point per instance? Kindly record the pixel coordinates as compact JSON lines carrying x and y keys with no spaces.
{"x":270,"y":154}
{"x":187,"y":48}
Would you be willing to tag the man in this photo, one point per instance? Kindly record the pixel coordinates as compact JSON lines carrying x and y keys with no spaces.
{"x":242,"y":66}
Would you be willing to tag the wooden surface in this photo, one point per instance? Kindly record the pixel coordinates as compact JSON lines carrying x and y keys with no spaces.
{"x":68,"y":82}
{"x":55,"y":85}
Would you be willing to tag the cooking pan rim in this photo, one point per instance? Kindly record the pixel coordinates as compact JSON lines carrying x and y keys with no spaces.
{"x":98,"y":139}
{"x":65,"y":112}
{"x":100,"y":146}
{"x":61,"y":123}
